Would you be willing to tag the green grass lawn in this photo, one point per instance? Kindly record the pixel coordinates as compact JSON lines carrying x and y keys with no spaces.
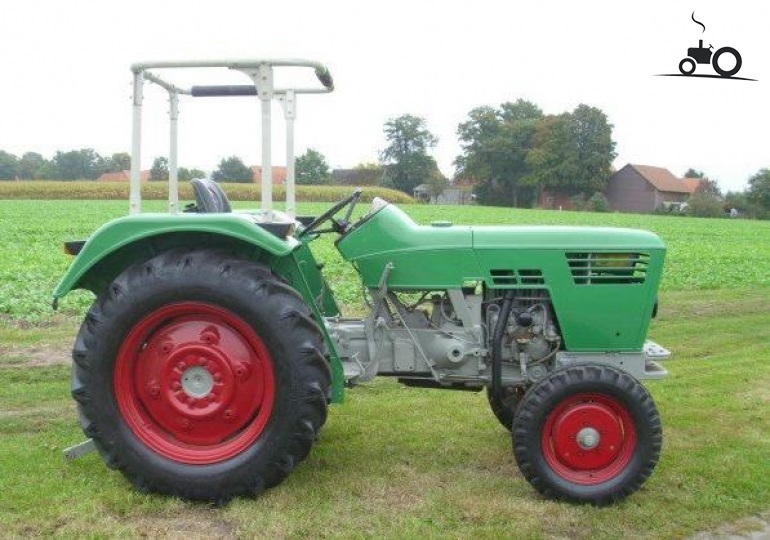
{"x":399,"y":462}
{"x":404,"y":462}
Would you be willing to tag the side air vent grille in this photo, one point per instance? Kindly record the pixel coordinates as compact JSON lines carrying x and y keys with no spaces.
{"x":503,"y":277}
{"x":514,"y":277}
{"x":591,"y":268}
{"x":531,"y":277}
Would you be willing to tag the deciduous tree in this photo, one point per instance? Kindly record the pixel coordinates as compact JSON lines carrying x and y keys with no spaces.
{"x":311,"y":168}
{"x":694,"y":173}
{"x":159,"y":169}
{"x":758,"y":191}
{"x":29,"y":165}
{"x":573,"y":151}
{"x":8,"y":165}
{"x":495,"y":144}
{"x":515,"y":151}
{"x":119,"y":161}
{"x":232,"y":169}
{"x":406,"y":160}
{"x":78,"y":164}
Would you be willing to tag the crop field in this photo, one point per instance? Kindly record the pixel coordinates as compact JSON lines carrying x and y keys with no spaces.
{"x":393,"y":461}
{"x":702,"y":253}
{"x":90,"y":190}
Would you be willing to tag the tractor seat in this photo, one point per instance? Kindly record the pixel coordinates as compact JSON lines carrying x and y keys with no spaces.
{"x":209,"y":197}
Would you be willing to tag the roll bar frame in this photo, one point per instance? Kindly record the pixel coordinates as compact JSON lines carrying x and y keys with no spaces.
{"x":260,"y":71}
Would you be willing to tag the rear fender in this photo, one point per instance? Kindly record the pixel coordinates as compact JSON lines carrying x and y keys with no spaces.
{"x":125,"y":241}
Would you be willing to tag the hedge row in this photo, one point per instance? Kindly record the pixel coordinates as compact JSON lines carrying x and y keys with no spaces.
{"x":159,"y":191}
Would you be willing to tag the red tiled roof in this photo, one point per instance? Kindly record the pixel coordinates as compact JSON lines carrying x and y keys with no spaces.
{"x":122,"y":176}
{"x":692,"y":184}
{"x":661,"y":179}
{"x":279,"y":174}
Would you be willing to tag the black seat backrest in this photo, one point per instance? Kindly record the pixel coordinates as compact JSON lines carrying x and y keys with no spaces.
{"x":209,"y":196}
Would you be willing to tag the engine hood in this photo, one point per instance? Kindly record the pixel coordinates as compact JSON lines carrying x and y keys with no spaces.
{"x":389,"y":229}
{"x":540,"y":237}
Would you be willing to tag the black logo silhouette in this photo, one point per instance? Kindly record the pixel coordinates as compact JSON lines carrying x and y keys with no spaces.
{"x":705,"y":55}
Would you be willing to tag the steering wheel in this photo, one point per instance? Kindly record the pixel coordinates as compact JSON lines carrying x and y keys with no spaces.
{"x":340,"y":226}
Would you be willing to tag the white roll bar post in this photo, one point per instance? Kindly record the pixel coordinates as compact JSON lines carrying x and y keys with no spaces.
{"x":135,"y":196}
{"x":173,"y":175}
{"x":289,"y":103}
{"x":263,"y":81}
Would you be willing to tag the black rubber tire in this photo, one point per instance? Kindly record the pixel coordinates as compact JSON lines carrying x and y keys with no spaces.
{"x":278,"y":315}
{"x":726,"y":72}
{"x":504,"y":408}
{"x":542,"y":398}
{"x":684,"y":71}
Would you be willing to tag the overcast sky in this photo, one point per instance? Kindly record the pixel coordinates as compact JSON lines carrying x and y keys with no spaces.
{"x":65,"y":79}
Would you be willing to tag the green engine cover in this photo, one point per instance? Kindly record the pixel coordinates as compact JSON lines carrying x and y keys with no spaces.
{"x":602,"y":282}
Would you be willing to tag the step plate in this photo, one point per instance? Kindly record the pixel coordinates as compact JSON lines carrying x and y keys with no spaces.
{"x":653,"y":351}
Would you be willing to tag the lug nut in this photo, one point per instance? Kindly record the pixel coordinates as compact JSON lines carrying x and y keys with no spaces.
{"x":154,"y":390}
{"x":242,"y":372}
{"x":210,"y":337}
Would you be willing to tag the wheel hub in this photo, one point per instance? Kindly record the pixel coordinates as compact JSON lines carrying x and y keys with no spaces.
{"x":588,"y":438}
{"x":199,"y":380}
{"x":195,"y":382}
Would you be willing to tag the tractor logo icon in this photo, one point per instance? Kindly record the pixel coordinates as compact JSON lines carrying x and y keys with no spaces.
{"x":703,"y":55}
{"x":725,"y":61}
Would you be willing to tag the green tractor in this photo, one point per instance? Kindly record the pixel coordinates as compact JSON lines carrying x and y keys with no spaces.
{"x":206,"y":365}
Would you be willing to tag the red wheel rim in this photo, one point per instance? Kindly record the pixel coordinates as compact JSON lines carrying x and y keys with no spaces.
{"x":589,"y":438}
{"x":195,"y":383}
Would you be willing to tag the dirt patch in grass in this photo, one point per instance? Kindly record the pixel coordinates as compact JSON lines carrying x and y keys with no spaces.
{"x":758,"y":390}
{"x":36,"y":411}
{"x":38,"y":356}
{"x":753,"y":527}
{"x":194,"y":523}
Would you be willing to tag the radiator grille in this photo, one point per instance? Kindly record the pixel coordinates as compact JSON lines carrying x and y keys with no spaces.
{"x":603,"y":268}
{"x":513,"y":277}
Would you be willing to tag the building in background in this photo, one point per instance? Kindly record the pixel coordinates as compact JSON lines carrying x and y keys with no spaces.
{"x":644,"y":189}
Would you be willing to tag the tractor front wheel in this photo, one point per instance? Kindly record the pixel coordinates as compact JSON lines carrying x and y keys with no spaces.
{"x":687,"y":66}
{"x":200,"y":375}
{"x":587,"y":434}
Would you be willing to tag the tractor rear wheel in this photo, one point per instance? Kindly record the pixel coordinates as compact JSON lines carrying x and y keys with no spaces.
{"x":200,"y":375}
{"x":504,"y":406}
{"x":587,"y":434}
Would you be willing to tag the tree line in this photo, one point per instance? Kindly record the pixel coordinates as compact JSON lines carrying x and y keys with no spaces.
{"x":85,"y":163}
{"x":510,"y":154}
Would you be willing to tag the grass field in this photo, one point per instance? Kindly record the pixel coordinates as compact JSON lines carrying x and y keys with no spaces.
{"x":397,"y":462}
{"x":702,"y":253}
